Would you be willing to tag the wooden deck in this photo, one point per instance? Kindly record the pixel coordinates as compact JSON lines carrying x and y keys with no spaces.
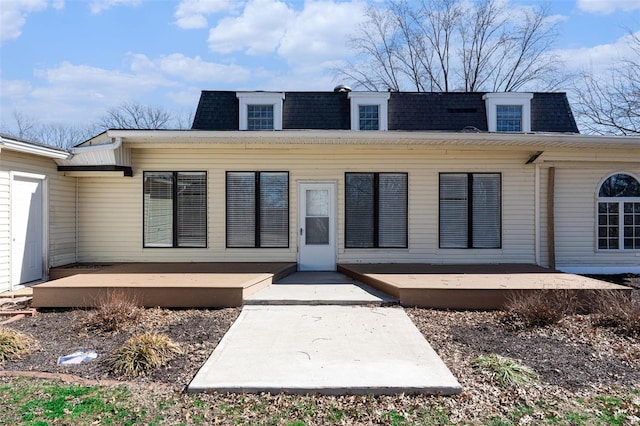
{"x":171,"y":285}
{"x":467,"y":286}
{"x":215,"y":285}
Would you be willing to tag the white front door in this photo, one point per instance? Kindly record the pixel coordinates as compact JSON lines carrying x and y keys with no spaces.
{"x":26,"y":229}
{"x":317,"y":226}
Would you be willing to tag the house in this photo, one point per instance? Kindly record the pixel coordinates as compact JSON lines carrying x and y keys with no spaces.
{"x":321,"y":178}
{"x":37,"y":212}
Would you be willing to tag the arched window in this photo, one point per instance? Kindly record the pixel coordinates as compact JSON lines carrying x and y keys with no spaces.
{"x":619,"y":213}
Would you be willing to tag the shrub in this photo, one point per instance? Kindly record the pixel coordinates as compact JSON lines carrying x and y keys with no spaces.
{"x":14,"y":344}
{"x":614,"y":308}
{"x":141,"y":354}
{"x":505,"y":371}
{"x":114,"y":311}
{"x":541,"y":307}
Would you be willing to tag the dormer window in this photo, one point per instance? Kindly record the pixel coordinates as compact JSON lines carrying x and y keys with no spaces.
{"x":259,"y":117}
{"x":260,"y":110}
{"x":369,"y":117}
{"x":508,"y":112}
{"x":509,"y":118}
{"x":369,"y":110}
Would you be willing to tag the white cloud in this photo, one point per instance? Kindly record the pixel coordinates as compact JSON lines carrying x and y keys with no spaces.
{"x":191,"y":14}
{"x":81,"y":93}
{"x":597,"y":59}
{"x":608,"y":6}
{"x":13,"y":16}
{"x":319,"y":32}
{"x":99,"y":6}
{"x":195,"y":69}
{"x":259,"y":30}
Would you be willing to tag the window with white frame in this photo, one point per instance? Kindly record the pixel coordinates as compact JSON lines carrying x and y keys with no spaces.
{"x":509,"y":118}
{"x":369,"y":110}
{"x":257,"y":209}
{"x":470,"y":210}
{"x":369,"y":118}
{"x":259,"y":117}
{"x":508,"y":112}
{"x":618,"y":209}
{"x":175,"y":209}
{"x":260,"y":110}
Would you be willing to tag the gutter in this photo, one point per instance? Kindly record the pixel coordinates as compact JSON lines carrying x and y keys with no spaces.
{"x":32,"y":149}
{"x":102,"y":147}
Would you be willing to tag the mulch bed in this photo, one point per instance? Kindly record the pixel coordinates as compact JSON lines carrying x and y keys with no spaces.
{"x":574,"y":358}
{"x":61,"y":333}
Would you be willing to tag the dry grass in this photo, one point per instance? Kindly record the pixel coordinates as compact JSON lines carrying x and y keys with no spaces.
{"x":504,"y":370}
{"x":541,"y":307}
{"x":14,"y":344}
{"x":141,"y":354}
{"x":114,"y":311}
{"x":617,"y":309}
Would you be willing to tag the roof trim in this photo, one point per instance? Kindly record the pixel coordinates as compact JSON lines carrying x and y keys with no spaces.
{"x":28,"y":147}
{"x":348,"y":137}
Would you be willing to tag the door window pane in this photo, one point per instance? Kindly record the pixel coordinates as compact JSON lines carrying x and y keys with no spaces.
{"x":317,"y":230}
{"x":317,"y":202}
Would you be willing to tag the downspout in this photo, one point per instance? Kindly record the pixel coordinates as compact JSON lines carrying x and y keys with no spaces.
{"x":77,"y":221}
{"x":536,"y":213}
{"x":551,"y":238}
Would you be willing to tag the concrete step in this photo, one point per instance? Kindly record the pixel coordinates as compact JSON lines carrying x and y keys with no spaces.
{"x":319,"y":288}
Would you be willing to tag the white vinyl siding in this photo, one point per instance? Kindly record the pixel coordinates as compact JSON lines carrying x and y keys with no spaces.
{"x":111,"y":208}
{"x":62,"y":210}
{"x":576,"y":190}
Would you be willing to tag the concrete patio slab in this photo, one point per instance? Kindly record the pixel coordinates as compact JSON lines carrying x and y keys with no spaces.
{"x":327,"y":350}
{"x":319,"y":288}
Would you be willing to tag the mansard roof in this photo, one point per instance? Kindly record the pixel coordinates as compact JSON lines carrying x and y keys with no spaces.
{"x":407,"y":111}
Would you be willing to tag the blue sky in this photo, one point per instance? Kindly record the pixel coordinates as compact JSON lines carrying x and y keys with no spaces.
{"x":68,"y":61}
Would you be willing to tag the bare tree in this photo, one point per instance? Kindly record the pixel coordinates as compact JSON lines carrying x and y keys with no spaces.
{"x":447,"y":45}
{"x":612,"y":106}
{"x":133,"y":115}
{"x":54,"y":134}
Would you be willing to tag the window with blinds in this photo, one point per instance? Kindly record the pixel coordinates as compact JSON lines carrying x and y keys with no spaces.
{"x":175,"y":209}
{"x":470,"y":210}
{"x":376,"y":210}
{"x":257,"y":209}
